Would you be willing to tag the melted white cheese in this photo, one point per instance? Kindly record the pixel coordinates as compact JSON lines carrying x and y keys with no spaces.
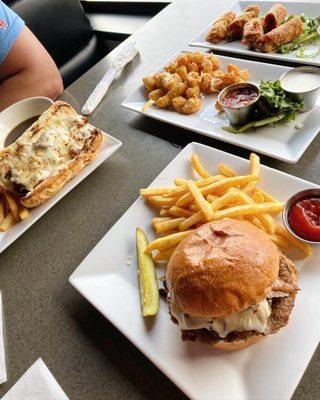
{"x":253,"y":318}
{"x":32,"y":160}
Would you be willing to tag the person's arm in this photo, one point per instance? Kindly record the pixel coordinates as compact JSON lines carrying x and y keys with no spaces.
{"x":28,"y":70}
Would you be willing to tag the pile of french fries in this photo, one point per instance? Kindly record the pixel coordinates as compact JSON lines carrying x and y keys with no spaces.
{"x":11,"y":211}
{"x":189,"y":204}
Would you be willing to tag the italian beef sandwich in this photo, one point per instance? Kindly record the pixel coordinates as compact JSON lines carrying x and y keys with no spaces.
{"x":229,"y":286}
{"x":48,"y":154}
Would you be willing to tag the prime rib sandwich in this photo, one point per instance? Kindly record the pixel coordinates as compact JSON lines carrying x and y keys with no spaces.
{"x":229,"y":285}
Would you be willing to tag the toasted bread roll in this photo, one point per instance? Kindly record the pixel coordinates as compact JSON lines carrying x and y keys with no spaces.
{"x":53,"y":150}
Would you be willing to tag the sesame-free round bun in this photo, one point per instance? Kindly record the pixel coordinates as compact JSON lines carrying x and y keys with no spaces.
{"x":238,"y":344}
{"x":222,"y":268}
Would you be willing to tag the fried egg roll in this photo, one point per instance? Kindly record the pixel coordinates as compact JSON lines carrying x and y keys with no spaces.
{"x":252,"y":31}
{"x":274,"y":17}
{"x":218,"y":31}
{"x":235,"y":28}
{"x":254,"y":8}
{"x":285,"y":33}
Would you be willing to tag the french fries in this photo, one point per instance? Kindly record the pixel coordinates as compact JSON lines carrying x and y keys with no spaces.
{"x":179,"y":212}
{"x":254,"y":170}
{"x":164,"y":255}
{"x":200,"y":201}
{"x":156,"y":221}
{"x":215,"y":205}
{"x":280,"y":241}
{"x":305,"y":247}
{"x":265,"y":219}
{"x":189,"y":204}
{"x":168,"y":225}
{"x":211,"y":197}
{"x":258,"y":197}
{"x":224,"y":184}
{"x":189,"y":222}
{"x":255,"y":221}
{"x":166,"y":242}
{"x":13,"y":206}
{"x":226,"y":170}
{"x":155,"y":191}
{"x":8,"y":222}
{"x":23,"y":213}
{"x":161,"y":201}
{"x":198,"y":167}
{"x":248,"y":209}
{"x":183,"y":189}
{"x":266,"y":196}
{"x":11,"y":211}
{"x":164,"y":212}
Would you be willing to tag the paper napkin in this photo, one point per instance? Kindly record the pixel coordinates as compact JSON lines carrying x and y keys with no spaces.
{"x":3,"y":371}
{"x":36,"y":384}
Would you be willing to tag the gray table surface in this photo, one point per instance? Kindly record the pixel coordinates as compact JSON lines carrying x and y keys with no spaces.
{"x":44,"y":316}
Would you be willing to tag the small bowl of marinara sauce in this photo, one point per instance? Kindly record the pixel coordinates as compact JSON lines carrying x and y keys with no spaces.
{"x":237,"y":101}
{"x":301,"y":215}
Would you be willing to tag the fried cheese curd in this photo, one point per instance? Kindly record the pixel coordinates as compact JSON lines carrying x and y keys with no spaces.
{"x":190,"y":76}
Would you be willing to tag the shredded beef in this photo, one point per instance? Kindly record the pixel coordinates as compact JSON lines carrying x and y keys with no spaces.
{"x":203,"y":335}
{"x":281,"y":309}
{"x":286,"y":269}
{"x":285,"y":282}
{"x":275,"y":293}
{"x":210,"y":337}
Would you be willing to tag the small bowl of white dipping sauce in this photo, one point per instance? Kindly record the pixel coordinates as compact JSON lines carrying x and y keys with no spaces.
{"x":302,"y":83}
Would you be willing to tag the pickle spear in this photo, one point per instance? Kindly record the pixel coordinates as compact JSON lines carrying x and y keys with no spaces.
{"x":149,"y":290}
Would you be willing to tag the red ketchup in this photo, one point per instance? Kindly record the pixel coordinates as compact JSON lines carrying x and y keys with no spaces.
{"x":304,"y":218}
{"x":240,"y":97}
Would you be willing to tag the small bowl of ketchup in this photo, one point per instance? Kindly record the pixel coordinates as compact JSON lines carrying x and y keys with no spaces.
{"x":301,"y":215}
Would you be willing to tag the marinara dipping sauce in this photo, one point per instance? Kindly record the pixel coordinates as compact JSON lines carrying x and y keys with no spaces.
{"x":304,"y":218}
{"x":240,"y":97}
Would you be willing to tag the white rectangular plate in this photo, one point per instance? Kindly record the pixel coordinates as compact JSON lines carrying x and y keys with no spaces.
{"x":109,"y":146}
{"x":270,"y":369}
{"x":297,"y":8}
{"x":282,"y":141}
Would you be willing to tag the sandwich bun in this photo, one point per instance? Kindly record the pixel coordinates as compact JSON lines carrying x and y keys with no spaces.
{"x":223,"y":267}
{"x":238,"y":344}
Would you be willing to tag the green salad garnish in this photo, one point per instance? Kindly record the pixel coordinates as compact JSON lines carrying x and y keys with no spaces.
{"x":274,"y":105}
{"x":274,"y":100}
{"x":309,"y":35}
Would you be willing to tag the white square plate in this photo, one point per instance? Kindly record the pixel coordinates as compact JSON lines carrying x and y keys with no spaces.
{"x":282,"y":141}
{"x":109,"y":146}
{"x":297,"y":8}
{"x":270,"y":369}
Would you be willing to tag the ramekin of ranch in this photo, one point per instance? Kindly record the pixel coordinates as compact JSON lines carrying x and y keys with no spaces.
{"x":302,"y":83}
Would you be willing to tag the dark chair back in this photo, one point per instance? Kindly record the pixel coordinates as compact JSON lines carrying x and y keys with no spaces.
{"x":65,"y":31}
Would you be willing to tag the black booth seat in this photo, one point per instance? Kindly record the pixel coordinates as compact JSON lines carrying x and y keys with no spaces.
{"x":65,"y":31}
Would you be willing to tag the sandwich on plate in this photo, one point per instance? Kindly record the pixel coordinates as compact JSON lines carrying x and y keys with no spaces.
{"x":229,"y":286}
{"x":48,"y":154}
